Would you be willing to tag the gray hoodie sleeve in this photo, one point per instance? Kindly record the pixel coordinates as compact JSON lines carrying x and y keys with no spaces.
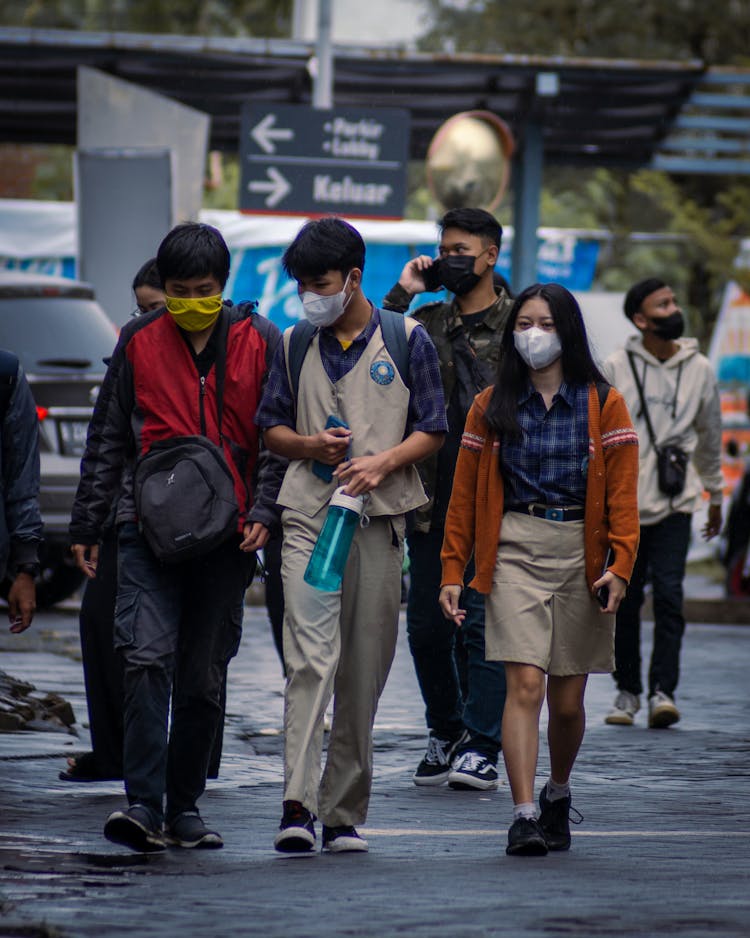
{"x":707,"y":455}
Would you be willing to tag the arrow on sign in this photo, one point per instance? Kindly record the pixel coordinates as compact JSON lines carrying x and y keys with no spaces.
{"x":265,"y":133}
{"x":277,"y":186}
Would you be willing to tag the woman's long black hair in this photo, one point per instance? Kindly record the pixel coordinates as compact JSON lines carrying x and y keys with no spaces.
{"x":513,"y":372}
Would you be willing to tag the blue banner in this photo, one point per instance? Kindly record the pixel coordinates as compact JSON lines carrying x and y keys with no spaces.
{"x":257,"y":273}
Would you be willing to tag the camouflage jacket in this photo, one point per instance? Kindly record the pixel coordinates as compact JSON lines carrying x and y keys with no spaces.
{"x":468,"y":361}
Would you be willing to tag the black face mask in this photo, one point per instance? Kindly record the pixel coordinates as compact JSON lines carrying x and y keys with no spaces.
{"x":457,"y":273}
{"x":669,"y":327}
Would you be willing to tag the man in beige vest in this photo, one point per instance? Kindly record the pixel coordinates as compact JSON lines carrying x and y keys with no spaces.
{"x":343,"y":642}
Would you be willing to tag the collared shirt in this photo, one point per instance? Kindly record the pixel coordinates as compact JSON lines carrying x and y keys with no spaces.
{"x":548,"y":463}
{"x":426,"y":407}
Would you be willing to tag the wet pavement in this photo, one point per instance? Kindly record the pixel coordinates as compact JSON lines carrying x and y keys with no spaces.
{"x":664,"y":847}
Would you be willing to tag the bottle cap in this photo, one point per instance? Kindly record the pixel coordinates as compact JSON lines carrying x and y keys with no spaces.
{"x":354,"y":503}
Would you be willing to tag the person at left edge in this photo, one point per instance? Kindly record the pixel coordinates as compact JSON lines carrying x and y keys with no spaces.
{"x":20,"y":518}
{"x":343,"y":642}
{"x":173,"y":621}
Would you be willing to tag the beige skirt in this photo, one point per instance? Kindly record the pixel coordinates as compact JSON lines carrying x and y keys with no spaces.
{"x":540,"y":610}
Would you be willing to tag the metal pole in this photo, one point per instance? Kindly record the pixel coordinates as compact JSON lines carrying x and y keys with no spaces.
{"x":527,"y":185}
{"x":323,"y":78}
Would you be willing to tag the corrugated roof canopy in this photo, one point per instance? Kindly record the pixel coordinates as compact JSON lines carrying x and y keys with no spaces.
{"x":602,"y":112}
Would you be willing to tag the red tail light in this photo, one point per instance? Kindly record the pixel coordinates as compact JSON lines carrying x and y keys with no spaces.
{"x":41,"y":413}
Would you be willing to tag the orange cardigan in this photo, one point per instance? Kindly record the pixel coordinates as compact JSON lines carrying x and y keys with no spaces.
{"x":475,"y":511}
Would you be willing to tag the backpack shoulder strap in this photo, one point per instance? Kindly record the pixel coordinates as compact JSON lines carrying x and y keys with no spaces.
{"x":8,"y":377}
{"x":300,"y":338}
{"x":394,"y":328}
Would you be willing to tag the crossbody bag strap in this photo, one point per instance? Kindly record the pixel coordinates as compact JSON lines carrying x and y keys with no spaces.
{"x":221,"y":367}
{"x":644,"y":408}
{"x":676,"y":390}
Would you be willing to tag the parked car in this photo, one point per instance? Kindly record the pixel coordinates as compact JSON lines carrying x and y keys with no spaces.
{"x":62,"y":336}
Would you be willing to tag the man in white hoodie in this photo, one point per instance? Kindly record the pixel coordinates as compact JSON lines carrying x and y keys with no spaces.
{"x":680,"y":397}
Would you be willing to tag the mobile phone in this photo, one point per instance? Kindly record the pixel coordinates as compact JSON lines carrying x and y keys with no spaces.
{"x":602,"y":594}
{"x":323,"y":470}
{"x":432,"y":277}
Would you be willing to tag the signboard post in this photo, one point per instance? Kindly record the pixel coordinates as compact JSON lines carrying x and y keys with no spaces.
{"x":298,"y":160}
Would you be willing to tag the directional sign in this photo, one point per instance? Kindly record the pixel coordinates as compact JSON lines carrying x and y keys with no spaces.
{"x":297,"y":160}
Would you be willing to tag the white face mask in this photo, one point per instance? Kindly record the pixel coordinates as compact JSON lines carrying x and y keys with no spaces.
{"x":322,"y":311}
{"x":537,"y":347}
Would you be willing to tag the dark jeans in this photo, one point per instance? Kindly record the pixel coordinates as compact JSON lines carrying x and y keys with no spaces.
{"x":661,"y":558}
{"x":432,"y":640}
{"x":174,"y":623}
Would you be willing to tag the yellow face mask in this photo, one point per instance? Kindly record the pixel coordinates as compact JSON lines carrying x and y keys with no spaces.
{"x":194,"y":314}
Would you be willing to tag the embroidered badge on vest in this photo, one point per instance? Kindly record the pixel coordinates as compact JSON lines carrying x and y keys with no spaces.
{"x":382,"y":372}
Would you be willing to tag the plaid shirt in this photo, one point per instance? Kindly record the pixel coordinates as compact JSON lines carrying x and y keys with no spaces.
{"x":549,"y":462}
{"x":426,"y":402}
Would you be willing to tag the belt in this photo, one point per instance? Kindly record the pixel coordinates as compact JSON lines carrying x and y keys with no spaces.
{"x":550,"y":512}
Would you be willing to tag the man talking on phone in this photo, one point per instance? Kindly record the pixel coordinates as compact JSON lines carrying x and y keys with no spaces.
{"x":463,"y":715}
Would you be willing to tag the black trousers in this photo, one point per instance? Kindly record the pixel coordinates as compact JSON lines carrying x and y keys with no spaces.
{"x":662,"y":554}
{"x":102,"y":667}
{"x":177,"y":628}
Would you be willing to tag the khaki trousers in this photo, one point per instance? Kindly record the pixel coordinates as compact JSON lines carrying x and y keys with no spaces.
{"x":342,"y":644}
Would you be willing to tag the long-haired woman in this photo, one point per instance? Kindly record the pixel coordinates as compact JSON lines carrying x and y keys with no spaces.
{"x":545,"y":497}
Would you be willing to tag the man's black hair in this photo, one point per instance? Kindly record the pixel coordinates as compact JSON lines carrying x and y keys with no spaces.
{"x":475,"y":221}
{"x":193,"y":250}
{"x":148,"y":276}
{"x":638,"y":292}
{"x":323,"y":245}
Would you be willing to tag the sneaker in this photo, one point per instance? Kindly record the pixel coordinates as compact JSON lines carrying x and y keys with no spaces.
{"x":435,"y":768}
{"x":525,"y":838}
{"x":473,"y":770}
{"x":297,"y":829}
{"x":135,"y":828}
{"x":188,"y":830}
{"x":662,"y":711}
{"x":343,"y":839}
{"x":555,"y":819}
{"x":623,"y":711}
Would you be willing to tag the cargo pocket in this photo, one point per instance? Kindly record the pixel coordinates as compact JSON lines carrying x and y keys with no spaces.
{"x":126,"y":610}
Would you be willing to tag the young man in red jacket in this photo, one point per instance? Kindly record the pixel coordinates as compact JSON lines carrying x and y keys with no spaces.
{"x":175,"y":623}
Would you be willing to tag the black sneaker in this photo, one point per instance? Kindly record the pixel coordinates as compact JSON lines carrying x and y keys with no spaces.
{"x":435,"y":768}
{"x":343,"y":839}
{"x":188,"y":830}
{"x":555,"y":820}
{"x":472,"y":770}
{"x":526,"y":839}
{"x":297,"y":829}
{"x":135,"y":828}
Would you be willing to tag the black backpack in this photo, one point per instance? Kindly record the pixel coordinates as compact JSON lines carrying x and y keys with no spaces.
{"x":184,"y":489}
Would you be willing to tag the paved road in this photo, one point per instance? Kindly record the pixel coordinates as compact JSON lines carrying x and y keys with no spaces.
{"x":664,"y":848}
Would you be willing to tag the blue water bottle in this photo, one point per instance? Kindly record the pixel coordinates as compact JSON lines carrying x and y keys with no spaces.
{"x":328,"y":560}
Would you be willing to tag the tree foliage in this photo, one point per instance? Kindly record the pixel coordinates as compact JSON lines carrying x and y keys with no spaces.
{"x":266,"y":18}
{"x":700,"y":219}
{"x":718,"y":32}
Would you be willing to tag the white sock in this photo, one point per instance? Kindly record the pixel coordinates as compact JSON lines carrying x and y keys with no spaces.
{"x":555,"y":791}
{"x":527,"y":809}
